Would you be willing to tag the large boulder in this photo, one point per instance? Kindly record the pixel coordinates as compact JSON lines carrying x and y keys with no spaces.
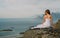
{"x":41,"y":33}
{"x":57,"y":25}
{"x":44,"y":33}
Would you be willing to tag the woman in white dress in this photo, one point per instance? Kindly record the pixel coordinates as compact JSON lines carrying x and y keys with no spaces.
{"x":47,"y":22}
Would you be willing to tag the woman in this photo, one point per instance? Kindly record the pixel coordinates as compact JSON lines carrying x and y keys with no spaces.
{"x":47,"y":22}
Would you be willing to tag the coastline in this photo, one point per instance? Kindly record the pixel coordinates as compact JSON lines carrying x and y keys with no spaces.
{"x":27,"y":32}
{"x":53,"y":32}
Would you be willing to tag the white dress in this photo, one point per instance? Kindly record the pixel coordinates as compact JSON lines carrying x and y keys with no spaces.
{"x":46,"y":24}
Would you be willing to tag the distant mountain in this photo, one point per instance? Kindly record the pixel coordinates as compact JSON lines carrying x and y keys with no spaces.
{"x":55,"y":16}
{"x":38,"y":17}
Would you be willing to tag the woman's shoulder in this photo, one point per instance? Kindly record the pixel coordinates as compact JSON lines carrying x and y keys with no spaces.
{"x":50,"y":16}
{"x":45,"y":16}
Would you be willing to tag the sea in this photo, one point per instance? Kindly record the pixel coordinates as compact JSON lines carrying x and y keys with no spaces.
{"x":18,"y":25}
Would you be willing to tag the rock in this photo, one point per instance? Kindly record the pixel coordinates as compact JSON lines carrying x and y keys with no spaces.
{"x":40,"y":34}
{"x":44,"y":33}
{"x":6,"y":30}
{"x":57,"y":25}
{"x":21,"y":33}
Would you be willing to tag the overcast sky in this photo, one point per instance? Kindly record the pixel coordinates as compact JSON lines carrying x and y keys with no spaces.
{"x":26,"y":8}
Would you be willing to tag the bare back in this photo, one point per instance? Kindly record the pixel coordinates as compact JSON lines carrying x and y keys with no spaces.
{"x":48,"y":17}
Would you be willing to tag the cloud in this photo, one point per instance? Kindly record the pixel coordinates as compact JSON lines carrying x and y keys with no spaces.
{"x":26,"y":8}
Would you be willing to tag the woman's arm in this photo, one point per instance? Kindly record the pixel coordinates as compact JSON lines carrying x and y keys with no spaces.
{"x":43,"y":20}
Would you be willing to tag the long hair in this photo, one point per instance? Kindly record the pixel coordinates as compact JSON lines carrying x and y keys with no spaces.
{"x":47,"y":11}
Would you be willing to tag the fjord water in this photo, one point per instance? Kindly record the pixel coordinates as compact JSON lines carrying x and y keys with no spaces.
{"x":16,"y":24}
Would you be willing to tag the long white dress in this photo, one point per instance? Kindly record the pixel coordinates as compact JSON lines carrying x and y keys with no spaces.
{"x":46,"y":24}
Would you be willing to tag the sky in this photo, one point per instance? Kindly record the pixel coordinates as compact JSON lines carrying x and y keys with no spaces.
{"x":27,"y":8}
